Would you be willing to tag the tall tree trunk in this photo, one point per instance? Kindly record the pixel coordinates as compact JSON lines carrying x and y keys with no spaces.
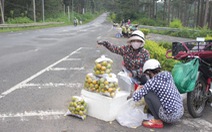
{"x":186,"y":11}
{"x":206,"y":13}
{"x":164,"y":10}
{"x":34,"y":11}
{"x":210,"y":16}
{"x":195,"y":13}
{"x":202,"y":14}
{"x":198,"y":13}
{"x":153,"y":9}
{"x":2,"y":10}
{"x":168,"y":12}
{"x":182,"y":12}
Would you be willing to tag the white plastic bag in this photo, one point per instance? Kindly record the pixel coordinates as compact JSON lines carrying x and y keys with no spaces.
{"x":124,"y":81}
{"x":131,"y":115}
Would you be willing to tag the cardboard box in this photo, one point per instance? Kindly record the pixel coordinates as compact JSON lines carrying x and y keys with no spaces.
{"x":102,"y":107}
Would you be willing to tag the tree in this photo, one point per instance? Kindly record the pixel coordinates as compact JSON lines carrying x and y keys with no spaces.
{"x":2,"y":10}
{"x":206,"y":12}
{"x":190,"y":12}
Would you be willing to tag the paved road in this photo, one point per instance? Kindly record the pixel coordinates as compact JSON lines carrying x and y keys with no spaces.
{"x":42,"y":69}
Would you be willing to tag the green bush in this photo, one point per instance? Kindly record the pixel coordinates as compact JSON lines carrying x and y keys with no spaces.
{"x":19,"y":20}
{"x":184,"y":33}
{"x":158,"y":52}
{"x":146,"y":21}
{"x":60,"y":18}
{"x":112,"y":16}
{"x":208,"y":38}
{"x":166,"y":45}
{"x":176,"y":23}
{"x":88,"y":16}
{"x":145,"y":31}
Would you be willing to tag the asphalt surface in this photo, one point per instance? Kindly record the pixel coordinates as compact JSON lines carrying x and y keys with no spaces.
{"x":42,"y":69}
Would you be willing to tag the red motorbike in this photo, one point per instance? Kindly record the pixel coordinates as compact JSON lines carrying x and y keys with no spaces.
{"x":202,"y":93}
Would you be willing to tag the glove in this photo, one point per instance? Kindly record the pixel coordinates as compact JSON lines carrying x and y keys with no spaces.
{"x":102,"y":42}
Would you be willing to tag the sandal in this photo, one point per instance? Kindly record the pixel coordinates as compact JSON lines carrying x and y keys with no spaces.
{"x":154,"y":123}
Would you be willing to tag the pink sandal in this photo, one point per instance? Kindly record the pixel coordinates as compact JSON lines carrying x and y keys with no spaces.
{"x":154,"y":123}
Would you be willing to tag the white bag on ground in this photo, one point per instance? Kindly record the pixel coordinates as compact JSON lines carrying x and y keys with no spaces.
{"x":131,"y":115}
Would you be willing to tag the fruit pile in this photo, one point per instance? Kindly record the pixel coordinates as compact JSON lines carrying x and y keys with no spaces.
{"x":102,"y":66}
{"x":78,"y":107}
{"x":102,"y":80}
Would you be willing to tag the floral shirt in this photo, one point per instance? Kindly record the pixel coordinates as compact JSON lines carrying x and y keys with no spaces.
{"x":133,"y":59}
{"x":163,"y":86}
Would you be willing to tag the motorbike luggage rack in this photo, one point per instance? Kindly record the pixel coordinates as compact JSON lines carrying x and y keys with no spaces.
{"x":181,"y":50}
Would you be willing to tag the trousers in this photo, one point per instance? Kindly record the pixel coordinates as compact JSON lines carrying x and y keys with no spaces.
{"x":153,"y":103}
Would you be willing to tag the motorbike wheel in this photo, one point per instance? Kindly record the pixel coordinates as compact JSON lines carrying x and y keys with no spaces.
{"x":196,"y":99}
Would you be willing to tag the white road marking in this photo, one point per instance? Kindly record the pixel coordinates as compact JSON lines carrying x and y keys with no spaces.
{"x":36,"y":75}
{"x":40,"y":114}
{"x":73,"y":59}
{"x":52,"y":85}
{"x":65,"y":69}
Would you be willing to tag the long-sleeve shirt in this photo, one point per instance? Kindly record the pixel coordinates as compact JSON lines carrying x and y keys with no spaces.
{"x":133,"y":59}
{"x":163,"y":86}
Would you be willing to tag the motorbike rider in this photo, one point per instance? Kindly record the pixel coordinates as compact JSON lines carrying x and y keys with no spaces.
{"x":160,"y":94}
{"x":134,"y":55}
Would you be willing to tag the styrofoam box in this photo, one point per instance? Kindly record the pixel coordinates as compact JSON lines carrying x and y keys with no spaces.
{"x":102,"y":107}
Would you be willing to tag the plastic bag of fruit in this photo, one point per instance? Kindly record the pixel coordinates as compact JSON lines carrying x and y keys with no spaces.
{"x":91,"y":83}
{"x":77,"y":107}
{"x":108,"y":85}
{"x":103,"y":65}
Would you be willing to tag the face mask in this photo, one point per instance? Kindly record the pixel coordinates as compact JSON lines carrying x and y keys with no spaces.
{"x":136,"y":45}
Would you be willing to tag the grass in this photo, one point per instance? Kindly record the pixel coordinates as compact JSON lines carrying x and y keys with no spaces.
{"x":15,"y":29}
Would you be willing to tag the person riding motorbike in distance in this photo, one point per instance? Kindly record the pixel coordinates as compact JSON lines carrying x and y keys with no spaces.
{"x":160,"y":94}
{"x":134,"y":55}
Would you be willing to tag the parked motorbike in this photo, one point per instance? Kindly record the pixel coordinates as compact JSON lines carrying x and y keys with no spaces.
{"x":202,"y":93}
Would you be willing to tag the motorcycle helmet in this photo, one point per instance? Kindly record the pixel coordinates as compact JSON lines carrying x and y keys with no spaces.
{"x":151,"y":64}
{"x":137,"y":35}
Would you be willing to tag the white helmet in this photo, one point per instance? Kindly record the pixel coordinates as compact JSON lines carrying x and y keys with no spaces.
{"x":137,"y":35}
{"x":151,"y":64}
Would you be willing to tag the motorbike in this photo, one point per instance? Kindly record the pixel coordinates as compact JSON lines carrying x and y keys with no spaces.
{"x":202,"y":92}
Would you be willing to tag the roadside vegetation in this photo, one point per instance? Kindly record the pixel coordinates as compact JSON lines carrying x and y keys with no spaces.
{"x":61,"y":20}
{"x":178,"y":30}
{"x":158,"y":51}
